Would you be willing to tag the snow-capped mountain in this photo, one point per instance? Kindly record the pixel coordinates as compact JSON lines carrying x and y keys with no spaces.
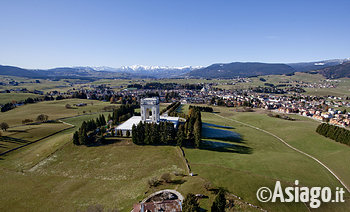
{"x":150,"y":71}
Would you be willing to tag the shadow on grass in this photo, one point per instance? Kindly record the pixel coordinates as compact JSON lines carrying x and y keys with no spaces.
{"x":13,"y":140}
{"x":18,"y":131}
{"x":3,"y":146}
{"x":178,"y":182}
{"x":219,"y":134}
{"x":225,"y":147}
{"x":106,"y":142}
{"x":215,"y":125}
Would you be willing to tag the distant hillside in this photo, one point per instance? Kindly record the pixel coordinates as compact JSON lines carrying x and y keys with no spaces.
{"x":19,"y":72}
{"x":99,"y":72}
{"x":59,"y":73}
{"x":238,"y":69}
{"x":310,"y":66}
{"x":335,"y":72}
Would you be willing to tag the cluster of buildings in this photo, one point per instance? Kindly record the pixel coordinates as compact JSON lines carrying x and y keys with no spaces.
{"x":150,"y":113}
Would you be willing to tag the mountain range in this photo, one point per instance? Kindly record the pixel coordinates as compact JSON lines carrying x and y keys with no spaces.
{"x":329,"y":68}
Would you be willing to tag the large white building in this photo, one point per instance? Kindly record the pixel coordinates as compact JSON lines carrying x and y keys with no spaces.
{"x":149,"y":114}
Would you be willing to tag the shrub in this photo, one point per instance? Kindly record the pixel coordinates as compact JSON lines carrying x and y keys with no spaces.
{"x":26,"y":121}
{"x":166,"y":177}
{"x":153,"y":182}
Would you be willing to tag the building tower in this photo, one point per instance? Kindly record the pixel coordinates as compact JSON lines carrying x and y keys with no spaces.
{"x":150,"y":110}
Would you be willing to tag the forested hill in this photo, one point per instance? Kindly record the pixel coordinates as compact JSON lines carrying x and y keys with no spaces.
{"x":239,"y":69}
{"x":335,"y":72}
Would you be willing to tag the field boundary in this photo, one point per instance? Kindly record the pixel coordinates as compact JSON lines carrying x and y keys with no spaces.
{"x":47,"y":136}
{"x":291,"y":147}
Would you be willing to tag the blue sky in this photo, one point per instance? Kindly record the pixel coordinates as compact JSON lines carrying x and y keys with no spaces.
{"x":44,"y":34}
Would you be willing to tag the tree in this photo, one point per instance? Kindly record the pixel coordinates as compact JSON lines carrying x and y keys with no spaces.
{"x":83,"y":138}
{"x":127,"y":133}
{"x":180,"y":136}
{"x":42,"y":118}
{"x":190,"y":203}
{"x":197,"y":133}
{"x":4,"y":126}
{"x":219,"y":203}
{"x":76,"y":138}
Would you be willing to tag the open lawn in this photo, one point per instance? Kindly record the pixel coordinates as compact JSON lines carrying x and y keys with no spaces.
{"x":18,"y":136}
{"x":54,"y":109}
{"x":242,"y":172}
{"x":75,"y":177}
{"x":10,"y":97}
{"x":55,"y":175}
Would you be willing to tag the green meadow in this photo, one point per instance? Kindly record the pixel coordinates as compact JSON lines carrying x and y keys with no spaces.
{"x":243,"y":172}
{"x":55,"y":175}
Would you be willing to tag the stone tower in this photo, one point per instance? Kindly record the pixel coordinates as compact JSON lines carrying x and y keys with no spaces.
{"x":150,"y":110}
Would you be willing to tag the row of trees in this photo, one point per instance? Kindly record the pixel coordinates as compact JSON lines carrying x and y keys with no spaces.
{"x":336,"y":133}
{"x":202,"y":109}
{"x":123,"y":113}
{"x":168,"y":107}
{"x":172,"y":110}
{"x":153,"y":133}
{"x":90,"y":132}
{"x":190,"y":134}
{"x":166,"y":86}
{"x":29,"y":100}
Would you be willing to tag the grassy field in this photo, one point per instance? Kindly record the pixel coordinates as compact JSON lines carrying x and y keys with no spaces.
{"x":74,"y":177}
{"x":54,"y":175}
{"x":243,"y":172}
{"x":10,"y":97}
{"x":18,"y":136}
{"x":54,"y":109}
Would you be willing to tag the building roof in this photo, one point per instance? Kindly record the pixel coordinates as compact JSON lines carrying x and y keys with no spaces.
{"x":127,"y":125}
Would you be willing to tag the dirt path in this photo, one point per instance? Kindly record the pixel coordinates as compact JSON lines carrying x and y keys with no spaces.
{"x":291,"y":147}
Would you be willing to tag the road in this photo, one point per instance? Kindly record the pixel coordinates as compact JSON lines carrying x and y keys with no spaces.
{"x":288,"y":145}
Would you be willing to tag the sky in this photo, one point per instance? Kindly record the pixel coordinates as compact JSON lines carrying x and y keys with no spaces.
{"x":56,"y":33}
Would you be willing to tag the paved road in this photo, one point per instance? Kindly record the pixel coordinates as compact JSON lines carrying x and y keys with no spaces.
{"x":288,"y":145}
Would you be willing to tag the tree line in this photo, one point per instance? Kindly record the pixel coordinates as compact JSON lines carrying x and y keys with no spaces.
{"x":29,"y":100}
{"x":166,"y":86}
{"x":336,"y":133}
{"x":188,"y":134}
{"x":91,"y":132}
{"x":202,"y":109}
{"x":123,"y":113}
{"x":153,"y":133}
{"x":172,"y":110}
{"x":168,"y":107}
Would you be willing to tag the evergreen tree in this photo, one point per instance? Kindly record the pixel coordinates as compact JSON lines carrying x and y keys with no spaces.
{"x":197,"y":133}
{"x":83,"y":138}
{"x":76,"y":138}
{"x":190,"y":203}
{"x":219,"y":202}
{"x":180,"y":137}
